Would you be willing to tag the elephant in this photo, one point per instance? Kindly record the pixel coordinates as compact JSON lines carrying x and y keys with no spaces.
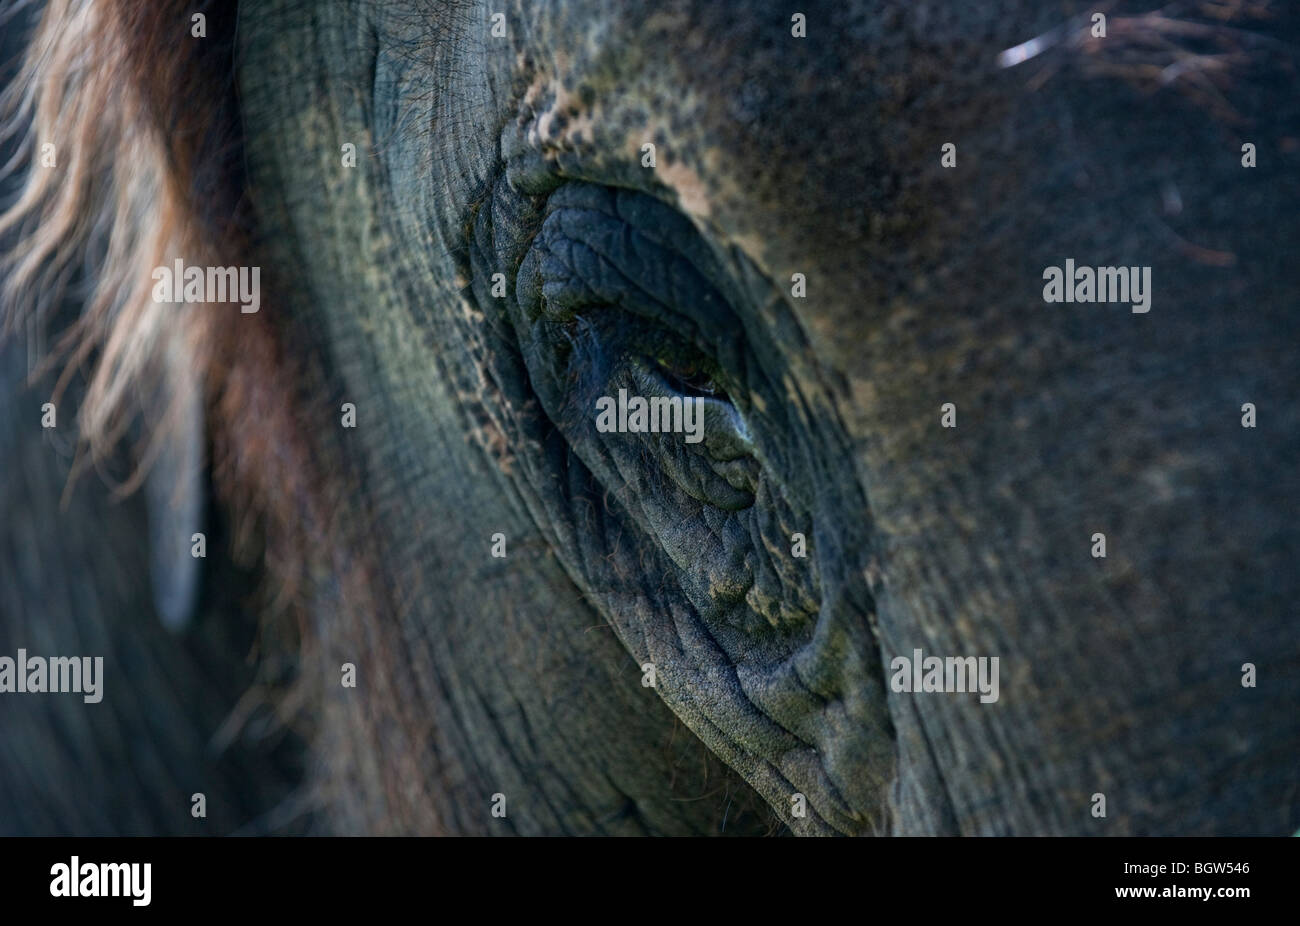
{"x":954,"y":550}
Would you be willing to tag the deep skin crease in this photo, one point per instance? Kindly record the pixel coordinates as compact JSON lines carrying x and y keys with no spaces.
{"x":776,"y":156}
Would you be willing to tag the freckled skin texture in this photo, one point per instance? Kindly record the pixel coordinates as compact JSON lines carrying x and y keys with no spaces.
{"x":776,"y":156}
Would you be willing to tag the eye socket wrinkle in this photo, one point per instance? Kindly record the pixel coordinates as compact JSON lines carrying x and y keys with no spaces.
{"x":601,"y":255}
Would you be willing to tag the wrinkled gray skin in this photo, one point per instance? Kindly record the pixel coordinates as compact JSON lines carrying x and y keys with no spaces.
{"x":776,"y":156}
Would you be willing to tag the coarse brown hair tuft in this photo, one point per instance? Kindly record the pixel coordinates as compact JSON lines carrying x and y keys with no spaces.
{"x":148,"y":168}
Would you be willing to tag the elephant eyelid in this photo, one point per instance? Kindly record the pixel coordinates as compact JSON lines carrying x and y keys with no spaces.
{"x":690,"y":378}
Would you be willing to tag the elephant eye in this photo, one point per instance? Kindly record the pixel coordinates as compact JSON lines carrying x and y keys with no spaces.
{"x":688,"y":370}
{"x":690,"y":379}
{"x":629,"y":342}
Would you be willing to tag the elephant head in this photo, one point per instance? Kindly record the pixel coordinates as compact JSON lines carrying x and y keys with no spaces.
{"x":825,"y":231}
